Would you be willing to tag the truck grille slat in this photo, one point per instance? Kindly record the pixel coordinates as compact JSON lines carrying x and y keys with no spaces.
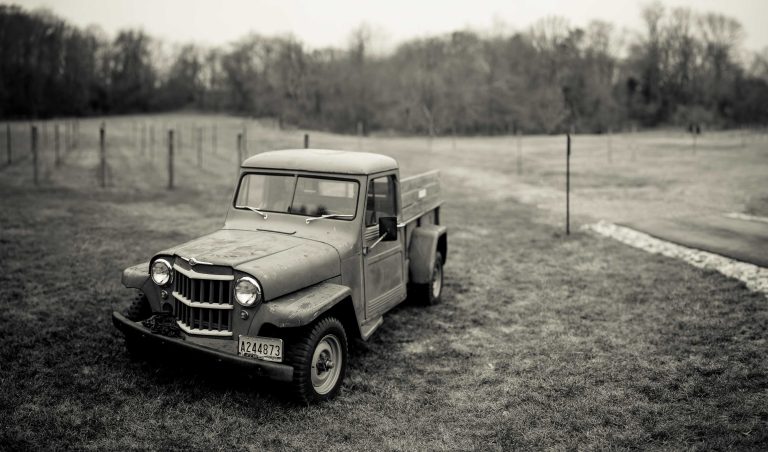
{"x":212,"y":320}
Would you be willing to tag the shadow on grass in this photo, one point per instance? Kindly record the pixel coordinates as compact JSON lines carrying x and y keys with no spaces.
{"x":192,"y":375}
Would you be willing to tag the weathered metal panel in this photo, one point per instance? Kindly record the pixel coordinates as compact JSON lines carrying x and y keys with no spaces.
{"x":420,"y":194}
{"x":135,"y":276}
{"x":300,"y":266}
{"x":304,"y":306}
{"x":229,"y":248}
{"x":384,"y":280}
{"x":281,"y":263}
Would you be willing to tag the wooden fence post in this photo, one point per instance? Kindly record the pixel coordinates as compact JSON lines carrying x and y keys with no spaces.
{"x":8,"y":143}
{"x":170,"y":159}
{"x":568,"y":185}
{"x":56,"y":145}
{"x":306,"y":141}
{"x":34,"y":154}
{"x":102,"y":155}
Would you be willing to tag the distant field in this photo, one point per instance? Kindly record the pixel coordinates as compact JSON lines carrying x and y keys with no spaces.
{"x":617,"y":177}
{"x":542,"y":341}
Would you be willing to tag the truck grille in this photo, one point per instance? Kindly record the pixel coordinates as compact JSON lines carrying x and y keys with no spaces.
{"x":202,"y":290}
{"x":203,"y":303}
{"x":203,"y":318}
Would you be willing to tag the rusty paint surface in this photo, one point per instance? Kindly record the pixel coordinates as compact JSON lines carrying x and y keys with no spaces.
{"x":282,"y":263}
{"x":304,"y":306}
{"x":135,"y":276}
{"x":232,"y":247}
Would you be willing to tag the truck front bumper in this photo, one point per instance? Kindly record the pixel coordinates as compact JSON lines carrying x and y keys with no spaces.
{"x":274,"y":371}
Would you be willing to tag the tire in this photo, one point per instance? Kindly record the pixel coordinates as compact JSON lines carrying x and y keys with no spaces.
{"x":431,"y":293}
{"x":312,"y":349}
{"x":139,"y":309}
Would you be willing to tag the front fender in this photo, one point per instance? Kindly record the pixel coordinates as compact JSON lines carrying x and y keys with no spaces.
{"x":137,"y":277}
{"x":134,"y":277}
{"x":421,"y":253}
{"x":304,"y":306}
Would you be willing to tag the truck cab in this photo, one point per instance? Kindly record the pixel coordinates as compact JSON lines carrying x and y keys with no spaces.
{"x":317,"y":245}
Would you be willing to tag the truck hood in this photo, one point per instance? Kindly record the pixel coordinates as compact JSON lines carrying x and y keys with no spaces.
{"x":282,"y":263}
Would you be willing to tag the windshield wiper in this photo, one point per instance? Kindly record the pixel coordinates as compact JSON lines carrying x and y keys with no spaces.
{"x":332,"y":215}
{"x":253,"y":209}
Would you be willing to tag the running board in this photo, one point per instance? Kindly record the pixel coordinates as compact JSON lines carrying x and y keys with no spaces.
{"x":367,"y":329}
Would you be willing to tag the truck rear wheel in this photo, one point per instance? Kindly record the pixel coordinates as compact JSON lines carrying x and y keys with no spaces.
{"x":431,"y":293}
{"x":318,"y":355}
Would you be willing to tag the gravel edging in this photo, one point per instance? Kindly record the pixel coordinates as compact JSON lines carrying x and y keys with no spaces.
{"x":755,"y":277}
{"x":746,"y":217}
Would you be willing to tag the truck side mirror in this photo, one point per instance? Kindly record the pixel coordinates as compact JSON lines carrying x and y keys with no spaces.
{"x":388,"y":229}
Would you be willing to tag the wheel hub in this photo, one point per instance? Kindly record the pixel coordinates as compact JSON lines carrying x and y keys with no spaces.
{"x":325,"y":364}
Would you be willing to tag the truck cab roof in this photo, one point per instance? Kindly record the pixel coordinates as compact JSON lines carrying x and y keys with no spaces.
{"x":322,"y":160}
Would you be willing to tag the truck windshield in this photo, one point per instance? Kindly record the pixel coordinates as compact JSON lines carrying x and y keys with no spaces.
{"x":298,"y":195}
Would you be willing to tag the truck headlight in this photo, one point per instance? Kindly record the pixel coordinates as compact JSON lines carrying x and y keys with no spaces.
{"x":161,"y":272}
{"x":247,"y":291}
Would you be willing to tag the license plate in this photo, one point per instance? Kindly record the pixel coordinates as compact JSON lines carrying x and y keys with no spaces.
{"x":266,"y":348}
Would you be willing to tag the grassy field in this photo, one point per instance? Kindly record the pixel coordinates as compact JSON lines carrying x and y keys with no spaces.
{"x":542,"y":341}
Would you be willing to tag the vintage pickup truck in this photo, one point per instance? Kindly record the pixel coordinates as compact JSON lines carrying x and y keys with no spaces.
{"x":316,"y":246}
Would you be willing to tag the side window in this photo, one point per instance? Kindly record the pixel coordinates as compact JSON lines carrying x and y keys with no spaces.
{"x":381,"y":200}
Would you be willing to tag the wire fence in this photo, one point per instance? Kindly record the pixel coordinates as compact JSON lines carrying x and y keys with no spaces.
{"x":172,"y":151}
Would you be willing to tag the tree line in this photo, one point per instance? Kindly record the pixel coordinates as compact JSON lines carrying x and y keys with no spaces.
{"x":683,"y":67}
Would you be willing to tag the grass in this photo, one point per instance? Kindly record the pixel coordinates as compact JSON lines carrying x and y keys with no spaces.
{"x":542,"y":341}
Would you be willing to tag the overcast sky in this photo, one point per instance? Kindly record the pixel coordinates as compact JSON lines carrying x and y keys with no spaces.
{"x":323,"y":23}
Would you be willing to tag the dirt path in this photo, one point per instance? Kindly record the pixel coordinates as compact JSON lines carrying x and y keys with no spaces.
{"x":743,"y":240}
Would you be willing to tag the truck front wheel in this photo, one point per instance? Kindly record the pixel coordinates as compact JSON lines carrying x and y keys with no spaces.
{"x":318,"y":355}
{"x":138,"y":310}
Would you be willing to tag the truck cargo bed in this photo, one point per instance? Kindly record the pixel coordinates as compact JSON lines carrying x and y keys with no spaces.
{"x":420,"y":194}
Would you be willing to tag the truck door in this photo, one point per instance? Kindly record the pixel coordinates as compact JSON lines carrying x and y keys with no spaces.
{"x":383,"y":274}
